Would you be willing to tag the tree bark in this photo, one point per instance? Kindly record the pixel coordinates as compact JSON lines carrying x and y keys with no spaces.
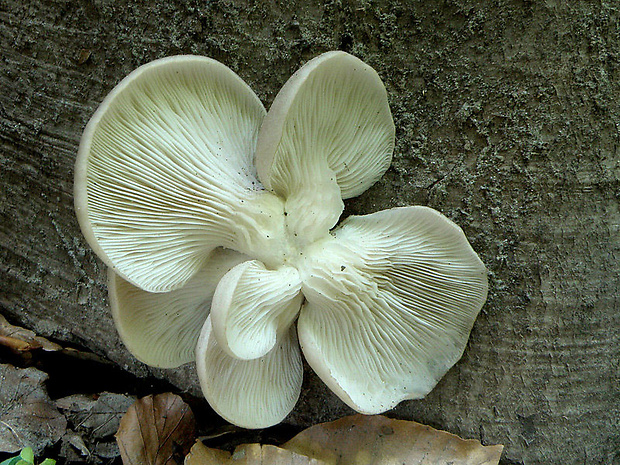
{"x":507,"y":122}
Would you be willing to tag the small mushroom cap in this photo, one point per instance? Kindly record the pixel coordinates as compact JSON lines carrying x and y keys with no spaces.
{"x":165,"y":170}
{"x":161,"y":329}
{"x":254,"y":393}
{"x":328,"y":136}
{"x":253,"y":307}
{"x":332,"y":112}
{"x":390,"y":303}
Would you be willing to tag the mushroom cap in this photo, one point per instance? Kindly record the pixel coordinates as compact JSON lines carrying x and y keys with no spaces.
{"x":161,"y":329}
{"x":328,"y":136}
{"x":333,"y":112}
{"x":390,"y":303}
{"x":253,"y":307}
{"x":253,"y":393}
{"x":165,"y":173}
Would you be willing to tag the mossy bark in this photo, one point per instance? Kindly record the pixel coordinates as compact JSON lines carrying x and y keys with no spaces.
{"x":507,"y":122}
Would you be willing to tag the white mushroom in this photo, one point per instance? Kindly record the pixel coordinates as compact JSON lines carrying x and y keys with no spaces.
{"x":161,"y":329}
{"x":396,"y":295}
{"x":209,"y":252}
{"x":251,"y":393}
{"x":253,"y":307}
{"x":164,"y":173}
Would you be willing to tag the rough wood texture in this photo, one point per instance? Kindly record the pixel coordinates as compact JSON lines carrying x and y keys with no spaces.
{"x":507,"y":121}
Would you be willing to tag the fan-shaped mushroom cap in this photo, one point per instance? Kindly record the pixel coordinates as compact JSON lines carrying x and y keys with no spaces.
{"x":328,"y":136}
{"x":250,"y":393}
{"x":161,"y":329}
{"x":390,"y":305}
{"x":253,"y":307}
{"x":332,"y":112}
{"x":164,"y":172}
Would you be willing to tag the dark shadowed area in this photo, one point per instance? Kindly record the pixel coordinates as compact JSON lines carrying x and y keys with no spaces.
{"x":507,"y":120}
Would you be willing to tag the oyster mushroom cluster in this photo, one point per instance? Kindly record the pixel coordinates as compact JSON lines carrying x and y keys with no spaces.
{"x":219,"y":224}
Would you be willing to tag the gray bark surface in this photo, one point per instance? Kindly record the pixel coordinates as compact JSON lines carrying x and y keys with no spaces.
{"x":507,"y":116}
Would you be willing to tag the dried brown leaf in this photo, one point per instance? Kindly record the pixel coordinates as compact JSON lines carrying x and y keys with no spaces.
{"x":155,"y":429}
{"x":247,"y":454}
{"x":16,"y":345}
{"x":203,"y":455}
{"x":27,"y":416}
{"x":94,"y":419}
{"x":98,"y":416}
{"x":20,"y":339}
{"x":377,"y":440}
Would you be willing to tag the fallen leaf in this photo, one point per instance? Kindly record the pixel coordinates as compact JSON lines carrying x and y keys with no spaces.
{"x":28,"y":418}
{"x":106,"y":450}
{"x":16,"y":345}
{"x":96,"y":416}
{"x":73,"y":448}
{"x":20,"y":339}
{"x":94,"y":420}
{"x":377,"y":440}
{"x":155,"y":429}
{"x":247,"y":454}
{"x":203,"y":455}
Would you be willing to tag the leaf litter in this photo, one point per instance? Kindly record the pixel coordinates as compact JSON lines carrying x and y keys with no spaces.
{"x":160,"y":429}
{"x":358,"y":440}
{"x":378,"y":440}
{"x":20,"y":339}
{"x":28,"y":418}
{"x":156,"y":430}
{"x":94,"y":419}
